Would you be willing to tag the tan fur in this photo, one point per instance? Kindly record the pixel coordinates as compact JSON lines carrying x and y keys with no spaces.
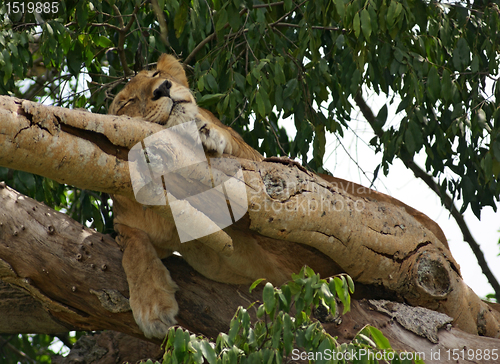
{"x":146,"y":237}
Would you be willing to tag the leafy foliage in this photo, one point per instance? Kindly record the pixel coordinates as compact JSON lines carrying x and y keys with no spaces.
{"x":33,"y":348}
{"x":256,"y":63}
{"x":278,"y":335}
{"x":86,"y":207}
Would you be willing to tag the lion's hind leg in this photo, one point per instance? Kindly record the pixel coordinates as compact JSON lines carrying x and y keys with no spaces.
{"x":152,"y":290}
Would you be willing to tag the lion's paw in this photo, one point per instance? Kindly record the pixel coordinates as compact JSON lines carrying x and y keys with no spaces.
{"x":154,"y":306}
{"x":154,"y":313}
{"x":212,"y":139}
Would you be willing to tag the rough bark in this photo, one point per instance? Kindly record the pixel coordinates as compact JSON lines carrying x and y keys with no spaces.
{"x":75,"y":275}
{"x":377,"y":243}
{"x":72,"y":257}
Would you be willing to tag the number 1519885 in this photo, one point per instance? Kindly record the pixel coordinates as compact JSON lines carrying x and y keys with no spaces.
{"x":15,"y":7}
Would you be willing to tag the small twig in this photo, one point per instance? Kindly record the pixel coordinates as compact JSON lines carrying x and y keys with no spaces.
{"x":312,"y":27}
{"x":161,"y":21}
{"x":276,"y":137}
{"x":268,"y":5}
{"x":17,"y":351}
{"x":122,"y":32}
{"x":198,"y":47}
{"x":110,"y":26}
{"x":289,"y":13}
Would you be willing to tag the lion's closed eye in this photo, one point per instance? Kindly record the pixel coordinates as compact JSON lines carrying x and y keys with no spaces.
{"x":126,"y":103}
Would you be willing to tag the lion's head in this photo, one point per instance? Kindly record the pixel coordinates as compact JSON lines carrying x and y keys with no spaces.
{"x":161,"y":96}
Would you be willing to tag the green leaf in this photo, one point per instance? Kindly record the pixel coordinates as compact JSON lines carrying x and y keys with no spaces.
{"x":261,"y":107}
{"x":416,"y":132}
{"x":468,"y":188}
{"x":381,"y":118}
{"x":309,"y":331}
{"x":340,"y":6}
{"x":211,"y":99}
{"x":403,"y":104}
{"x":240,"y":80}
{"x":179,"y":340}
{"x":256,"y":283}
{"x":418,"y":360}
{"x":446,"y":90}
{"x":495,"y":146}
{"x":201,"y":83}
{"x":391,"y":14}
{"x":212,"y":82}
{"x":279,"y":75}
{"x":338,"y":286}
{"x":261,"y":311}
{"x":475,"y":63}
{"x":291,"y":85}
{"x":461,"y":55}
{"x":26,"y":180}
{"x":234,"y":17}
{"x":379,"y":338}
{"x":104,"y":42}
{"x":49,"y":29}
{"x":222,"y":20}
{"x":366,"y":24}
{"x":324,"y":347}
{"x":268,"y":297}
{"x":433,"y":84}
{"x":287,"y":333}
{"x":276,"y":332}
{"x":234,"y":328}
{"x":350,"y":283}
{"x":180,"y":19}
{"x":208,"y":352}
{"x":410,"y":143}
{"x":7,"y":68}
{"x":327,"y":294}
{"x":356,"y":25}
{"x":82,"y":13}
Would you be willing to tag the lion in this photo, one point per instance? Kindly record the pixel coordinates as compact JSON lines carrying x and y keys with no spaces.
{"x":163,"y":96}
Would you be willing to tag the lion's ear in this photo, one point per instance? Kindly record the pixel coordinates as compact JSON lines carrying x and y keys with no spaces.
{"x":173,"y":67}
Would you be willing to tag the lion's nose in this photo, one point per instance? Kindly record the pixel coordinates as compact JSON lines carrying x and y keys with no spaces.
{"x":163,"y":90}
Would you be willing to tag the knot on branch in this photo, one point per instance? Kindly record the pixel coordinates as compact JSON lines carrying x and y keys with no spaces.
{"x":432,"y":276}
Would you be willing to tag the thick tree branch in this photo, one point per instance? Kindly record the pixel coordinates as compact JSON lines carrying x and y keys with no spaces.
{"x":446,"y":199}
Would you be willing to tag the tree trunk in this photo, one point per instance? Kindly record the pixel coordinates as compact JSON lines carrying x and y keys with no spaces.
{"x":75,"y":275}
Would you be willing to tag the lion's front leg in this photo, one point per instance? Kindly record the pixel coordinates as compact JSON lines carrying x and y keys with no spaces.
{"x":152,"y":290}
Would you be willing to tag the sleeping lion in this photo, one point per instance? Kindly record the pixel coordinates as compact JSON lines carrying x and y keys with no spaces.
{"x":162,"y":96}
